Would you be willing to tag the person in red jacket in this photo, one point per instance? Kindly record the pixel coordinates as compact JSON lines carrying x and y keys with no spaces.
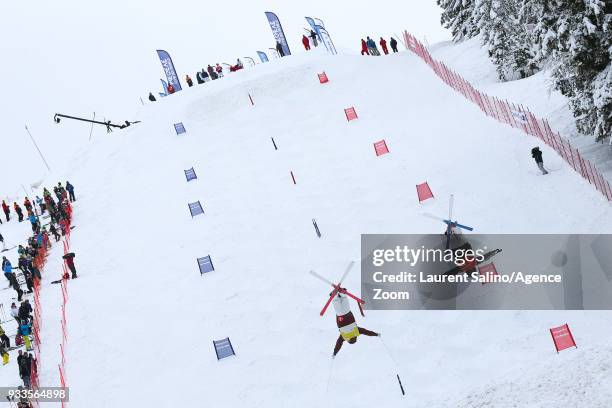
{"x":364,"y":48}
{"x":7,"y":210}
{"x":170,"y":89}
{"x":27,"y":204}
{"x":18,"y":211}
{"x":383,"y":45}
{"x":306,"y":42}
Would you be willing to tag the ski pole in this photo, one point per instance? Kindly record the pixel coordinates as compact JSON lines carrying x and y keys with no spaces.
{"x":331,"y":368}
{"x":394,"y":362}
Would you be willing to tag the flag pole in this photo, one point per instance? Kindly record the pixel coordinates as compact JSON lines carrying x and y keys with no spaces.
{"x":35,"y":145}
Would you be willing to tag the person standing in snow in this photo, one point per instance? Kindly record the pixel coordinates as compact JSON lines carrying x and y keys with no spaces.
{"x":5,"y":355}
{"x":152,"y":97}
{"x":364,"y":47}
{"x":4,"y":338}
{"x":306,"y":42}
{"x":372,"y":49}
{"x":313,"y":37}
{"x":70,"y":189}
{"x":279,"y":48}
{"x":383,"y":45}
{"x":18,"y":211}
{"x":15,"y":313}
{"x":219,"y":70}
{"x":345,"y":320}
{"x":536,"y":153}
{"x":189,"y":81}
{"x":393,"y":44}
{"x":211,"y":72}
{"x":69,"y":257}
{"x":7,"y":211}
{"x":24,"y":370}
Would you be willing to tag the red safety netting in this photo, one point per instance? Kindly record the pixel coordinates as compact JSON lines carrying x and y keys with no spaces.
{"x":514,"y":115}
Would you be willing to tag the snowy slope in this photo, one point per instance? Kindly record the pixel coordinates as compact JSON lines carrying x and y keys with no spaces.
{"x":537,"y":93}
{"x":141,"y":319}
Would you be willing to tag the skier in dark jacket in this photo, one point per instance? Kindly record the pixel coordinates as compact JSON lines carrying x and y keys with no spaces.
{"x":189,"y":81}
{"x":53,"y":230}
{"x":152,"y":97}
{"x":279,"y":48}
{"x":536,"y":153}
{"x":24,"y":371}
{"x":393,"y":44}
{"x":313,"y":37}
{"x":69,"y":257}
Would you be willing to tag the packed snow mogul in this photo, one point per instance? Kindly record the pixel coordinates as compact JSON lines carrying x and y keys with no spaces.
{"x":349,"y":331}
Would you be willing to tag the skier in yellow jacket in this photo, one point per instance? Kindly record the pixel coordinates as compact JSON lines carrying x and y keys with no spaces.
{"x":349,"y":331}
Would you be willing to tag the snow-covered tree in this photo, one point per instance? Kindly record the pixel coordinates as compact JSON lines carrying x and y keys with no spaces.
{"x":457,"y":17}
{"x":577,"y":41}
{"x":571,"y":37}
{"x":506,"y":37}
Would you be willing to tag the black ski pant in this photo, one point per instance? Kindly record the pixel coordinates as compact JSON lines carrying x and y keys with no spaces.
{"x":7,"y":214}
{"x":73,"y":270}
{"x":394,"y":48}
{"x":72,"y":197}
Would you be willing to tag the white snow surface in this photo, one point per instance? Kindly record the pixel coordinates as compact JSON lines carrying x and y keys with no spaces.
{"x":537,"y":93}
{"x":141,"y":319}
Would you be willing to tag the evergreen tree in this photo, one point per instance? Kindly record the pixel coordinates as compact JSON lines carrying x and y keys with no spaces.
{"x":576,"y":40}
{"x":457,"y":17}
{"x":506,"y":37}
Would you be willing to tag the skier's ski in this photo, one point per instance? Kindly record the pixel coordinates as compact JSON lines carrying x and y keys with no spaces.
{"x":337,"y":288}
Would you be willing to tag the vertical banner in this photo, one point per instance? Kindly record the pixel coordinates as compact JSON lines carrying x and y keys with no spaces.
{"x":328,"y":41}
{"x":262,"y":56}
{"x":168,"y":67}
{"x":277,"y":31}
{"x":319,"y":29}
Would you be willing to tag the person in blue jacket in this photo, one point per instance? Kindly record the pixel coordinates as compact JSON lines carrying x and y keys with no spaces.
{"x":7,"y":268}
{"x":372,"y":47}
{"x":26,"y":329}
{"x":34,"y":221}
{"x":70,"y":189}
